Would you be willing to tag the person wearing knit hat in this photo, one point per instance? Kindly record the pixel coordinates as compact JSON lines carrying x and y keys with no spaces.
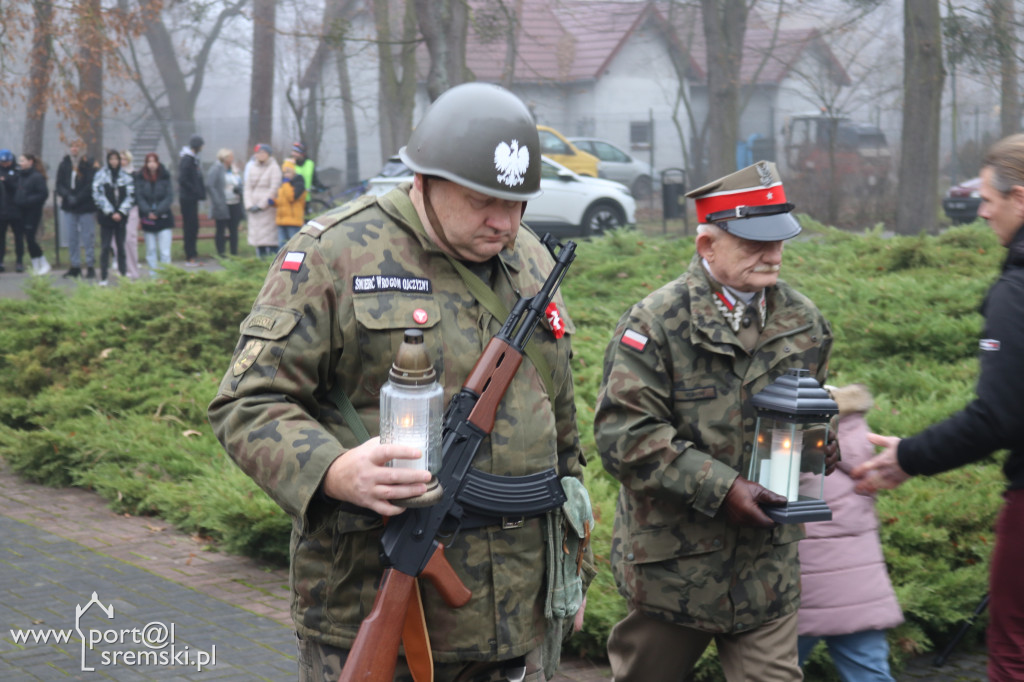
{"x":306,"y":168}
{"x":694,"y":553}
{"x":290,"y":203}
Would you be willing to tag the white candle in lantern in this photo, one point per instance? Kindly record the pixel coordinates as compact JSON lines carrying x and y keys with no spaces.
{"x":784,"y":474}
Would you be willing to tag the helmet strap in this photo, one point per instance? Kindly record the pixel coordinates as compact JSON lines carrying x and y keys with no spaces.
{"x":435,"y":222}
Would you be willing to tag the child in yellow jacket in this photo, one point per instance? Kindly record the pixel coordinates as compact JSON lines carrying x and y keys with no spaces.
{"x":290,"y":203}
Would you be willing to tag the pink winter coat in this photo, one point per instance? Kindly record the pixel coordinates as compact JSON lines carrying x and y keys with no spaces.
{"x":845,"y":586}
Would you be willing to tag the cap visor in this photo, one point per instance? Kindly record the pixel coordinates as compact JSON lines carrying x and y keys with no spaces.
{"x":769,"y":228}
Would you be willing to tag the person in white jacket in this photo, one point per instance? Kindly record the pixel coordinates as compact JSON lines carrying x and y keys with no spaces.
{"x":262,"y":180}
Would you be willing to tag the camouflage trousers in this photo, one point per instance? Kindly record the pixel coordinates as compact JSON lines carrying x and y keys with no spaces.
{"x":323,"y":663}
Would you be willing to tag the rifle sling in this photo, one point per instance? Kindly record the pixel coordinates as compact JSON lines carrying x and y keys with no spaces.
{"x":415,"y":640}
{"x":348,"y":412}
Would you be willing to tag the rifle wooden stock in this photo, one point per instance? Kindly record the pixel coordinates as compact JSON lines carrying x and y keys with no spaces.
{"x":374,"y":654}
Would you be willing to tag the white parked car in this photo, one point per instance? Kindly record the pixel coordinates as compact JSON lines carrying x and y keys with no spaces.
{"x":615,"y":164}
{"x":571,"y":205}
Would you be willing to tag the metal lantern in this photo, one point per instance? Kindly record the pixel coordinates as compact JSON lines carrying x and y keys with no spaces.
{"x":793,"y":415}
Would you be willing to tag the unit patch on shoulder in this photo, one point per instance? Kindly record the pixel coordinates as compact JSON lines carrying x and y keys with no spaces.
{"x":634,"y":340}
{"x":293,"y":260}
{"x":989,"y":344}
{"x":248,"y":356}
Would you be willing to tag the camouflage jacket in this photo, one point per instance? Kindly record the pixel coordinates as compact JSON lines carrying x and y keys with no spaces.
{"x":334,"y":309}
{"x":675,"y":426}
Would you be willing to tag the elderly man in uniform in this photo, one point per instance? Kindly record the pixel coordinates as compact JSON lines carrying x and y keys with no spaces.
{"x":693,"y":552}
{"x":313,"y":335}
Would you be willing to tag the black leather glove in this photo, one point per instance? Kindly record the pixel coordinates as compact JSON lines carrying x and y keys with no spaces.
{"x":742,"y":503}
{"x":832,"y":455}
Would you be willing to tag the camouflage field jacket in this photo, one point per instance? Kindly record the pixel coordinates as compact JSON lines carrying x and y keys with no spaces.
{"x":675,"y":427}
{"x":334,"y":309}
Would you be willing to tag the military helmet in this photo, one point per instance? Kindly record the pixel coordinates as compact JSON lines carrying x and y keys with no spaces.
{"x":480,"y":136}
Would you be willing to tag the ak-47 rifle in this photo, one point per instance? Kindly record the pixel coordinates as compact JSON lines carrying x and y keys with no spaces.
{"x":409,"y":546}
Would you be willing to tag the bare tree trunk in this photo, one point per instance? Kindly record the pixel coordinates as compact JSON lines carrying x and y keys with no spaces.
{"x":443,"y":25}
{"x":181,"y":97}
{"x":89,"y":124}
{"x":261,"y":99}
{"x":166,"y":61}
{"x":349,"y":112}
{"x":331,"y":38}
{"x":1006,"y":48}
{"x":923,"y":76}
{"x":314,"y":123}
{"x":40,"y":60}
{"x":508,"y":72}
{"x":397,"y":91}
{"x":725,"y":24}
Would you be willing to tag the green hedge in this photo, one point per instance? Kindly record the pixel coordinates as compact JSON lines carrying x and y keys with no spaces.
{"x":107,"y":389}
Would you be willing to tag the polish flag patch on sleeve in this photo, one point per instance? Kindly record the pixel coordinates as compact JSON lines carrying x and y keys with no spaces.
{"x":634,"y":340}
{"x":293,"y":261}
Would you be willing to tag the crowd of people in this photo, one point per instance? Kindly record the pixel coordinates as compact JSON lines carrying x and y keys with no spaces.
{"x":121,"y":200}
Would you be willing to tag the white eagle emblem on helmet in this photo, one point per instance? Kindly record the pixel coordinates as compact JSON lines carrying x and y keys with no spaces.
{"x":511,"y":161}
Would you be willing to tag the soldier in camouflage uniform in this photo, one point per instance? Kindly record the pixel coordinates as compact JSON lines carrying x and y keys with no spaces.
{"x":332,"y":312}
{"x":692,"y":552}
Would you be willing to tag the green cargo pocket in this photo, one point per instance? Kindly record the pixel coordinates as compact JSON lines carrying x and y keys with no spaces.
{"x":382,"y":319}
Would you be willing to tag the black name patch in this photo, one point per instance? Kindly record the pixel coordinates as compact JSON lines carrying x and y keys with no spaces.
{"x":368,"y":284}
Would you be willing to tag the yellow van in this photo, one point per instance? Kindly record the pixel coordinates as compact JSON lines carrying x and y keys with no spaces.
{"x":554,"y":146}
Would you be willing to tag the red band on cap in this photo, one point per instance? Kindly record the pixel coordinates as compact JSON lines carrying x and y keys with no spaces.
{"x":726,"y":201}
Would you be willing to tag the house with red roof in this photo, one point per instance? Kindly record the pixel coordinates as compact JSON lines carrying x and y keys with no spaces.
{"x":634,"y":73}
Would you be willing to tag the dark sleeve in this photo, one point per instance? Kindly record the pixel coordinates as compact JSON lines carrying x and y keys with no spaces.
{"x":61,"y":187}
{"x":36,"y":191}
{"x":992,"y":421}
{"x":165,"y":203}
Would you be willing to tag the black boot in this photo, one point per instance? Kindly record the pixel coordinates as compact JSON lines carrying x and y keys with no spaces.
{"x":72,"y":273}
{"x":91,"y":273}
{"x":18,"y":267}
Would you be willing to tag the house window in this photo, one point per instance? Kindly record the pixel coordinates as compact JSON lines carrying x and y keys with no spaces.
{"x":640,"y":134}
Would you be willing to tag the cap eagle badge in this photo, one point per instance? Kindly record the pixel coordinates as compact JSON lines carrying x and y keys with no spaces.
{"x":511,"y":161}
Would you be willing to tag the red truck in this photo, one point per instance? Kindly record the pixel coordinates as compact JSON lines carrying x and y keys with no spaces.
{"x":859,"y":151}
